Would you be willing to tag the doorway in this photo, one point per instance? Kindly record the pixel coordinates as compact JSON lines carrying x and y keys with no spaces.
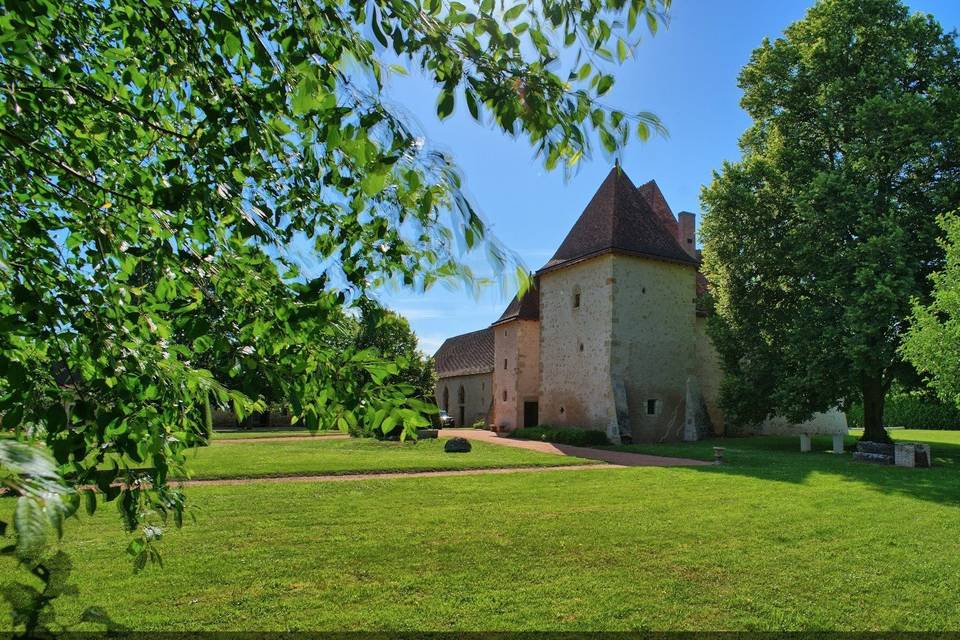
{"x":462,"y":422}
{"x":531,"y":413}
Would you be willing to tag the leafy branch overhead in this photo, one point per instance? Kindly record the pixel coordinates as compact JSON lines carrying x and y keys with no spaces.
{"x":193,"y":194}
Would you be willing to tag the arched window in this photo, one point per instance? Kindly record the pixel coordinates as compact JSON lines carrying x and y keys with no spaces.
{"x":446,"y":399}
{"x":462,"y":395}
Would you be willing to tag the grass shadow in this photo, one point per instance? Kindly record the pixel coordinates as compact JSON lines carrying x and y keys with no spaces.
{"x":778,"y":459}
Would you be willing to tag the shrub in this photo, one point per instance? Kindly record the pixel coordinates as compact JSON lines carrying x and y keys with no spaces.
{"x":911,"y":412}
{"x":562,"y":435}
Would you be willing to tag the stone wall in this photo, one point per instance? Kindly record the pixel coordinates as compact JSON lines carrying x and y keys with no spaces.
{"x":654,"y":344}
{"x":709,"y":375}
{"x":477,"y":393}
{"x":516,"y":344}
{"x":575,"y":387}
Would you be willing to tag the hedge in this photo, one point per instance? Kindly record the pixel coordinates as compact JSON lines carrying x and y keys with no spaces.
{"x":566,"y":435}
{"x":911,"y":412}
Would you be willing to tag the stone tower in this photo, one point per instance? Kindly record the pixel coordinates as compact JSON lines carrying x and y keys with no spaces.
{"x":617,"y":319}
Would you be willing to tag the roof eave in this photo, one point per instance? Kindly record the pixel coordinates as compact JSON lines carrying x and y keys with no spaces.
{"x":690,"y":262}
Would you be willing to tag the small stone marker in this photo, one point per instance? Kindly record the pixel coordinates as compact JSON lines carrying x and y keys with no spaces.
{"x":457,"y":445}
{"x":904,"y":455}
{"x":804,"y":442}
{"x":427,"y":434}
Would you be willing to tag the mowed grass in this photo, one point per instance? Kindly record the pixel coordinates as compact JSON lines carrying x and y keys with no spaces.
{"x":252,"y":459}
{"x":278,"y":433}
{"x":771,"y":540}
{"x":944,"y":445}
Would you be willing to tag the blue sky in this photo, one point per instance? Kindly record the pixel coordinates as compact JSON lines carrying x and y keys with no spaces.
{"x":686,"y":75}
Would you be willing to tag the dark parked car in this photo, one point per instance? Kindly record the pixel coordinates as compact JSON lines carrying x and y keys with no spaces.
{"x":446,"y":420}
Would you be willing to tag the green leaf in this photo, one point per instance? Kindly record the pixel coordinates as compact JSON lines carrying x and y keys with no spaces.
{"x":514,"y":12}
{"x":471,"y":100}
{"x":604,"y":84}
{"x":30,"y":525}
{"x":445,"y":104}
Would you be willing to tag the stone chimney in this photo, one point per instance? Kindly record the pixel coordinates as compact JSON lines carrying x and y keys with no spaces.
{"x":686,"y":232}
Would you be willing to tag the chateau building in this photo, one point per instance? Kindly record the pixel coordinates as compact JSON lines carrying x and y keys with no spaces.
{"x":609,"y":336}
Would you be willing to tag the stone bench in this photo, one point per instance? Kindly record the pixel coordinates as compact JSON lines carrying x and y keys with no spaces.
{"x":806,"y":443}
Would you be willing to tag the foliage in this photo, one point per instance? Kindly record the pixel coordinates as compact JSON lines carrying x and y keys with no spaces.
{"x":389,"y":334}
{"x":815,"y":241}
{"x":562,"y":435}
{"x":911,"y":412}
{"x":933,"y":342}
{"x":163,"y":163}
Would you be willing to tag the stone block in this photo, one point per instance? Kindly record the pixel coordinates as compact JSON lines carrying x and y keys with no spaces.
{"x":427,"y":434}
{"x":904,"y":455}
{"x":875,"y":452}
{"x":923,"y":457}
{"x":805,"y":444}
{"x":875,"y":458}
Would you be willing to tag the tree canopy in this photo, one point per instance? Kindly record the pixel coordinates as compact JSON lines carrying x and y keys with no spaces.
{"x":933,"y":342}
{"x":818,"y":238}
{"x":158,"y":158}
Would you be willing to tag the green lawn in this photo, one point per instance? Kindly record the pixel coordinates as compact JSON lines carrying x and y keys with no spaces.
{"x":340,"y":456}
{"x":945,"y":446}
{"x":247,"y":435}
{"x":772,"y":540}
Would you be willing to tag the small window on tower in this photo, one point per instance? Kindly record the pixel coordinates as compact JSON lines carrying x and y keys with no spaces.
{"x":653,"y":407}
{"x":504,"y":395}
{"x":504,"y":363}
{"x":576,"y":298}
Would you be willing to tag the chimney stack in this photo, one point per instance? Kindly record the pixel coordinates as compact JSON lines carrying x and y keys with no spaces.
{"x":687,"y":232}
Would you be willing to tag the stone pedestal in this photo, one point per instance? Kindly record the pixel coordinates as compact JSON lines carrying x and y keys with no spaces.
{"x":805,"y":443}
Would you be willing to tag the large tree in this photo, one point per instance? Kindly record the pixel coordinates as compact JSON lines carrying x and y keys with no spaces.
{"x":816,"y":240}
{"x":933,"y":342}
{"x":163,"y":165}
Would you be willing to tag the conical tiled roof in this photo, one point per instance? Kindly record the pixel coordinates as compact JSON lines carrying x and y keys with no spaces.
{"x":619,"y":219}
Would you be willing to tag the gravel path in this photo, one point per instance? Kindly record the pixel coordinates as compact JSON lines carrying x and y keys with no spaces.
{"x":621,"y":458}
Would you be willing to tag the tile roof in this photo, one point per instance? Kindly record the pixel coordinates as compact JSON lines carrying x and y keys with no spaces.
{"x":620,"y":218}
{"x":466,"y":354}
{"x":526,"y":309}
{"x":650,"y":191}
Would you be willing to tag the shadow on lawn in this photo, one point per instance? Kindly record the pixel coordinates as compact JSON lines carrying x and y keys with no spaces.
{"x":779,"y":459}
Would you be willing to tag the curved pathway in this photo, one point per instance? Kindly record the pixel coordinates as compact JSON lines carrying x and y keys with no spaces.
{"x":620,"y":458}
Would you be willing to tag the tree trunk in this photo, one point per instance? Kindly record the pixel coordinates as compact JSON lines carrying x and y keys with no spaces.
{"x":874,"y":394}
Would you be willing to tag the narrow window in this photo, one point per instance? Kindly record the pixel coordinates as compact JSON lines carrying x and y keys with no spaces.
{"x":576,"y":298}
{"x":581,"y":347}
{"x":504,"y":363}
{"x":504,"y":395}
{"x":653,"y":407}
{"x":462,"y":395}
{"x":446,"y":399}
